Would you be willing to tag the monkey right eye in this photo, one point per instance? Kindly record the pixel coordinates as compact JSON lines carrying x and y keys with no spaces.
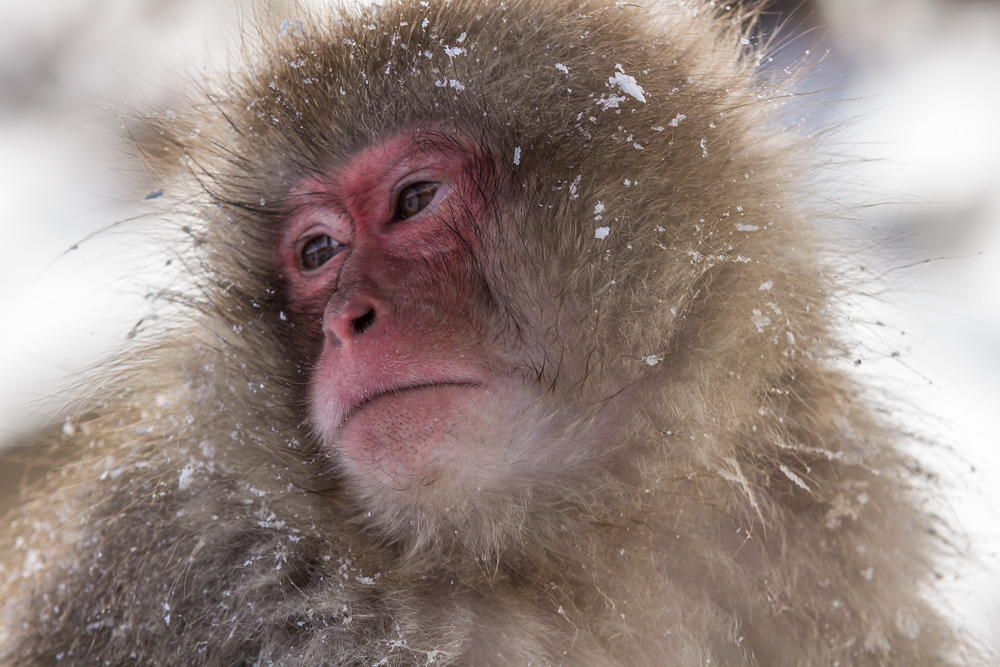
{"x":317,"y":251}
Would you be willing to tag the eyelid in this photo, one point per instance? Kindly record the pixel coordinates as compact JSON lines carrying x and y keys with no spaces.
{"x":416,"y":178}
{"x":303,"y":238}
{"x":316,"y":230}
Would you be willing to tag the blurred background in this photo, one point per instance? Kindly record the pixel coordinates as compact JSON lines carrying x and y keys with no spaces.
{"x":911,"y":88}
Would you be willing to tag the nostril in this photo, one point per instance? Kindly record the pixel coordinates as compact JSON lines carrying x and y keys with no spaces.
{"x":363,"y":323}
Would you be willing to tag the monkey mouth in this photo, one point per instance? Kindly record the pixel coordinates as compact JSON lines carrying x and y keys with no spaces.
{"x":396,"y":392}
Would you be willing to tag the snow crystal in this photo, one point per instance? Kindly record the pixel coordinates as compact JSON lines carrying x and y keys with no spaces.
{"x":517,"y":155}
{"x":735,"y":475}
{"x":573,"y":187}
{"x":32,"y":562}
{"x":795,"y":478}
{"x":207,"y":448}
{"x":290,"y":25}
{"x":562,"y":68}
{"x":761,"y":320}
{"x":454,"y":83}
{"x":602,"y":232}
{"x":598,"y":208}
{"x":676,"y":120}
{"x":610,"y":102}
{"x":907,"y":624}
{"x":876,"y":639}
{"x":452,"y":51}
{"x":628,"y":84}
{"x":653,"y":359}
{"x":187,"y":474}
{"x":747,"y":228}
{"x":765,"y":286}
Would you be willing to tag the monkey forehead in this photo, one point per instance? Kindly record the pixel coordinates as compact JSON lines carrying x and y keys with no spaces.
{"x":357,"y":185}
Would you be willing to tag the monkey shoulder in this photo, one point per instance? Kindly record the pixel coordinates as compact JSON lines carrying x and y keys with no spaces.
{"x":182,"y":551}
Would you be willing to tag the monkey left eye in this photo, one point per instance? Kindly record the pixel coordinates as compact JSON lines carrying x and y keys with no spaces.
{"x":415,"y":198}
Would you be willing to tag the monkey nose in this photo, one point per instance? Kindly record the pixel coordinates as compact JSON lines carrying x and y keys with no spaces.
{"x":350,"y":322}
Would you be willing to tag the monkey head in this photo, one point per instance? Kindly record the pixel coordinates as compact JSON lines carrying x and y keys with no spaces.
{"x":473,"y":256}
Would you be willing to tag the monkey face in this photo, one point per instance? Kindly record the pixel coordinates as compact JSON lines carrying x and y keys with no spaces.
{"x":412,"y":392}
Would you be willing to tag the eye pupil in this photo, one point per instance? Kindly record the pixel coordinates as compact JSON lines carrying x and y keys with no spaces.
{"x":415,"y":198}
{"x":318,"y":250}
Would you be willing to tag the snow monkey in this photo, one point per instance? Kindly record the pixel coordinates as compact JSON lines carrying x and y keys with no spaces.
{"x":506,"y":341}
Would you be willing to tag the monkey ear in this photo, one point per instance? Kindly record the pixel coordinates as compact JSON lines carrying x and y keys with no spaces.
{"x":159,"y":139}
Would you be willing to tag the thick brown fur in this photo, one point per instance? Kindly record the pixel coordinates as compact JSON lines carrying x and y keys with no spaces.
{"x":718,"y":491}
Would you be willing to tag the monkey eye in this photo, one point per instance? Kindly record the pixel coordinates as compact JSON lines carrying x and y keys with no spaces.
{"x":415,"y":198}
{"x":317,"y":251}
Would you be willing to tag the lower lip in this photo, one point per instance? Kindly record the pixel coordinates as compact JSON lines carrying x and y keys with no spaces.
{"x":419,"y":393}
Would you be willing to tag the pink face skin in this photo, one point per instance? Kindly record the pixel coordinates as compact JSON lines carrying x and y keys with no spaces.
{"x":411,"y":392}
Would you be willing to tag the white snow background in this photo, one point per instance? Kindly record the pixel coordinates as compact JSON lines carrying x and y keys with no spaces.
{"x":920,"y":78}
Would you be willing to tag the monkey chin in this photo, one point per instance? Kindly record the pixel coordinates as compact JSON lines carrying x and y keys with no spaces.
{"x":430,"y":449}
